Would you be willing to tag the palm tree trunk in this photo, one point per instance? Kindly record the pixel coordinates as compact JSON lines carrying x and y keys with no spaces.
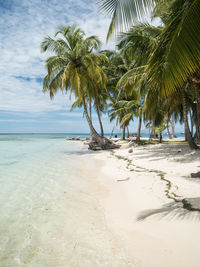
{"x":191,"y":121}
{"x":173,"y":126}
{"x":160,"y":139}
{"x":96,"y":104}
{"x":97,"y":142}
{"x":92,"y":130}
{"x":168,"y":131}
{"x":139,"y":129}
{"x":99,"y":118}
{"x":123,"y":132}
{"x":90,"y":108}
{"x":127,"y":132}
{"x":153,"y":133}
{"x":112,"y":131}
{"x":185,"y":116}
{"x":197,"y":96}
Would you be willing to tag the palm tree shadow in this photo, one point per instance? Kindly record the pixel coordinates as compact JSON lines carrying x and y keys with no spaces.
{"x":187,"y":208}
{"x":174,"y":152}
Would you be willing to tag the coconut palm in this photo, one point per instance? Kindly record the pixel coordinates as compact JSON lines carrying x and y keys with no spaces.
{"x":75,"y":68}
{"x":123,"y":111}
{"x":123,"y":106}
{"x":138,"y":43}
{"x":78,"y":104}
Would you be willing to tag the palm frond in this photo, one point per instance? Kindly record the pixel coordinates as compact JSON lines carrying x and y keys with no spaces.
{"x":56,"y":46}
{"x":124,"y":13}
{"x":177,"y":55}
{"x":77,"y":104}
{"x":131,"y":79}
{"x":125,"y":120}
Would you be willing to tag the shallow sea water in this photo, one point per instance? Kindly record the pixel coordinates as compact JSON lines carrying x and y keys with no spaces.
{"x":47,"y":217}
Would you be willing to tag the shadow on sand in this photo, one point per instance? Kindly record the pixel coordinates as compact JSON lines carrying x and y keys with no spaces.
{"x":175,"y":152}
{"x":187,"y":208}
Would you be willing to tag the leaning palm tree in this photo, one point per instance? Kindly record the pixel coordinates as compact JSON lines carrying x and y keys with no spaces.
{"x":97,"y":103}
{"x":75,"y":68}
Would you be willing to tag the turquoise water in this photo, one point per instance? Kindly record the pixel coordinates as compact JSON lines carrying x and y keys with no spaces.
{"x":47,"y":216}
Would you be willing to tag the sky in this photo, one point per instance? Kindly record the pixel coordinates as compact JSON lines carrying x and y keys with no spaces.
{"x":24,"y":108}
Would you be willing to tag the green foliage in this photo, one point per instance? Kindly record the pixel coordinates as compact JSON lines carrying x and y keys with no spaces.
{"x":124,"y":13}
{"x":75,"y":66}
{"x":145,"y":75}
{"x":177,"y":55}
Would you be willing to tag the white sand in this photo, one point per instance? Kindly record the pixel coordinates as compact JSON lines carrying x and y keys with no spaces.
{"x":167,"y":234}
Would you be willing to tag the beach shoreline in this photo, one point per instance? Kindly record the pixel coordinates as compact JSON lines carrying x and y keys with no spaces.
{"x":143,"y":210}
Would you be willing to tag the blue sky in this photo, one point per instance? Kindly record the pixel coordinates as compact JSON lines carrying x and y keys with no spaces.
{"x":24,"y":23}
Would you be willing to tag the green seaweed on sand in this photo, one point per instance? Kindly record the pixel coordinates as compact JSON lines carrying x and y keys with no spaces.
{"x":185,"y":203}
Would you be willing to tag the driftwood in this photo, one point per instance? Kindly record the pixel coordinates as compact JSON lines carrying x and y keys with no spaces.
{"x":101,"y":143}
{"x":123,"y":180}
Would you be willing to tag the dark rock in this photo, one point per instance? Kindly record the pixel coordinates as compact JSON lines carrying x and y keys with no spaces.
{"x":195,"y":175}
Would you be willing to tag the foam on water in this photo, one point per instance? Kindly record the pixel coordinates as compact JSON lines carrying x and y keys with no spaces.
{"x":47,"y":218}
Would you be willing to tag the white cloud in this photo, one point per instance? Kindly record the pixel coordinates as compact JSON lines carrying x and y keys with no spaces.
{"x":27,"y":96}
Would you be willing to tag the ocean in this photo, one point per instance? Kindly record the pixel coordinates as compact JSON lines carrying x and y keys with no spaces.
{"x":47,"y":216}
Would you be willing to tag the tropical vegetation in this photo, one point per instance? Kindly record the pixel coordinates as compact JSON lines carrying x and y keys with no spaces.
{"x":153,"y":75}
{"x":169,"y":62}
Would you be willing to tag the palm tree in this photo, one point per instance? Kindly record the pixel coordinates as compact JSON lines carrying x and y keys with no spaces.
{"x":75,"y":68}
{"x":176,"y":56}
{"x":119,"y":112}
{"x":123,"y":106}
{"x":137,"y":43}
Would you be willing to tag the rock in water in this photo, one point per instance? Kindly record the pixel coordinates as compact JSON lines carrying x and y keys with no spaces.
{"x":130,"y":150}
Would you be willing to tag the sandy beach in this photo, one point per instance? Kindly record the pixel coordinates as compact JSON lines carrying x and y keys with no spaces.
{"x":100,"y":133}
{"x":151,"y":204}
